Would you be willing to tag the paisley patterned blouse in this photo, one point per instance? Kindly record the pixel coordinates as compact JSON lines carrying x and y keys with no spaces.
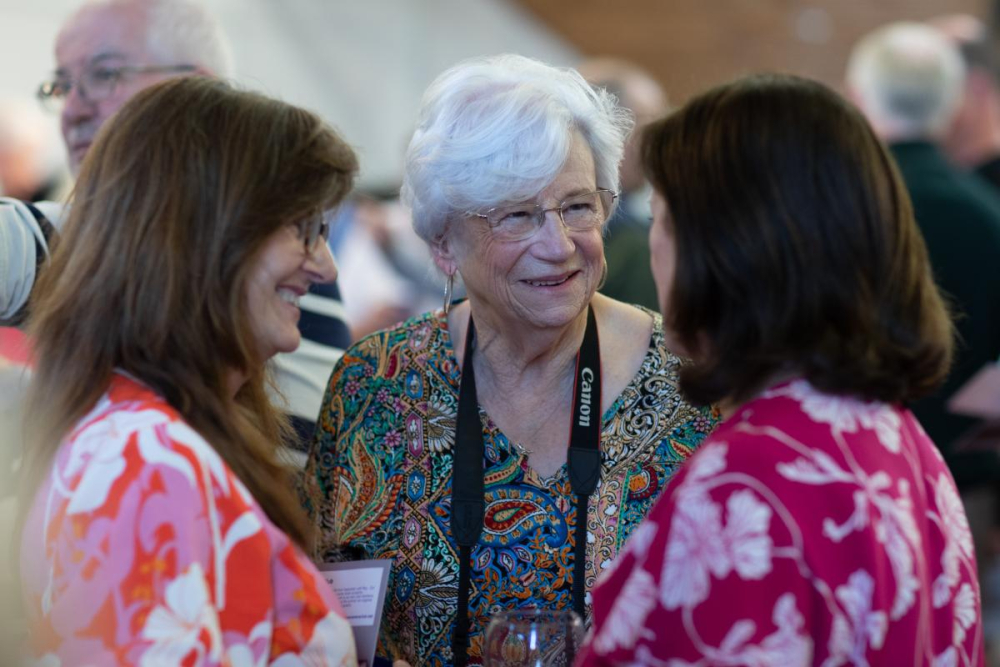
{"x":143,"y":548}
{"x":379,"y":481}
{"x":810,"y":529}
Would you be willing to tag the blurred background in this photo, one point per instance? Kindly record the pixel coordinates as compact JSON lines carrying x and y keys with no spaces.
{"x":364,"y":65}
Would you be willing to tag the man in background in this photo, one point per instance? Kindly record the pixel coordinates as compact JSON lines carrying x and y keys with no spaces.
{"x":626,"y":241}
{"x":973,"y":137}
{"x":908,"y":80}
{"x":108,"y":51}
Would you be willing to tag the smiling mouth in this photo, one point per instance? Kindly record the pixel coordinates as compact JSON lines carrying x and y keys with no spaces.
{"x":288,"y":296}
{"x":551,"y":282}
{"x":80,"y":150}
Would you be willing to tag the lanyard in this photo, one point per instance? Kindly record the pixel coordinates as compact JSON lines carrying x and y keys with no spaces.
{"x":468,"y":506}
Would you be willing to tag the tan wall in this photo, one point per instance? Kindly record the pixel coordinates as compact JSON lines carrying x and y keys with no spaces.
{"x":690,"y":45}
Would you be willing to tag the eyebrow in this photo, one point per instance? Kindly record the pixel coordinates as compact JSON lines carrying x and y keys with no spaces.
{"x":96,"y":60}
{"x":530,"y":202}
{"x":578,"y":191}
{"x":583,"y":190}
{"x":575,"y":192}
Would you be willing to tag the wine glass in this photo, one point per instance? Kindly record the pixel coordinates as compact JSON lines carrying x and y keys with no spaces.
{"x":533,"y":638}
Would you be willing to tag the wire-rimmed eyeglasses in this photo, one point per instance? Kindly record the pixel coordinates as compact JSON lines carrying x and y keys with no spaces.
{"x":312,"y":229}
{"x":516,"y":222}
{"x":96,"y":82}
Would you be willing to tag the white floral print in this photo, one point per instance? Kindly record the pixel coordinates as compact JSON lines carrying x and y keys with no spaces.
{"x":876,"y":502}
{"x":320,"y":651}
{"x":803,"y":532}
{"x":785,"y":646}
{"x":175,"y":628}
{"x":746,"y":535}
{"x":947,"y":659}
{"x":700,"y":547}
{"x":958,"y":538}
{"x":629,"y":612}
{"x":694,"y":553}
{"x":966,"y":612}
{"x":845,"y":414}
{"x":859,"y":628}
{"x":138,"y":536}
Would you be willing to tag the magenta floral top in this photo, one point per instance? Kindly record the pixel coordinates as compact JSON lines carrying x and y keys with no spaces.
{"x":808,"y":529}
{"x":143,"y":548}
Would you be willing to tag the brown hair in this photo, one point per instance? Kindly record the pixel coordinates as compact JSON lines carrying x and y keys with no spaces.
{"x":796,"y":247}
{"x":174,"y":202}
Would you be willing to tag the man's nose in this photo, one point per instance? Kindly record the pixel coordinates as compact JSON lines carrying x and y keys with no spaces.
{"x":76,"y":105}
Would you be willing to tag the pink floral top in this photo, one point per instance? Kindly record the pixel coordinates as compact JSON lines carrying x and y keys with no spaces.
{"x":143,"y":548}
{"x":808,"y":529}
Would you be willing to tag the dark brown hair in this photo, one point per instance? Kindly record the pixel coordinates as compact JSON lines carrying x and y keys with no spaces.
{"x":796,"y":247}
{"x":175,"y":200}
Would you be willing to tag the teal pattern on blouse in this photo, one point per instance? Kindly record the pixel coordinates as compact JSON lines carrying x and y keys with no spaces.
{"x":378,"y":481}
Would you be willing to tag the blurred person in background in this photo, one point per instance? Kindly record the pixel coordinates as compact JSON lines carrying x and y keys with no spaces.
{"x":30,"y":167}
{"x":30,"y":157}
{"x":26,"y":230}
{"x":412,"y":257}
{"x":908,"y":80}
{"x":818,"y":524}
{"x":25,"y":233}
{"x":157,"y":526}
{"x":973,"y":137}
{"x":385,"y":269}
{"x":107,"y":51}
{"x":911,"y":83}
{"x":466,"y":444}
{"x":13,"y":381}
{"x":626,"y":237}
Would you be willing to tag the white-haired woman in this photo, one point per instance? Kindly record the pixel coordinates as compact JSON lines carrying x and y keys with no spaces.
{"x":463,"y":443}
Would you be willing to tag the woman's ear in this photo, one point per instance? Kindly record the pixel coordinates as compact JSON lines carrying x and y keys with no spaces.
{"x":444,"y":255}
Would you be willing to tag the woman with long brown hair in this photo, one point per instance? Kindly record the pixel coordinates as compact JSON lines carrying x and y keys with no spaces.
{"x":159,"y":527}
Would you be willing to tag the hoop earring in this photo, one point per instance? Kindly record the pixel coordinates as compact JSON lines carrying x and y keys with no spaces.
{"x":449,"y":287}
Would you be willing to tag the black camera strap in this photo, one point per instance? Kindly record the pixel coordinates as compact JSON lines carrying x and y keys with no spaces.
{"x":468,"y":506}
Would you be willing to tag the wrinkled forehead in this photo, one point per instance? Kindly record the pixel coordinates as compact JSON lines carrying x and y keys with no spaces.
{"x":102,"y":33}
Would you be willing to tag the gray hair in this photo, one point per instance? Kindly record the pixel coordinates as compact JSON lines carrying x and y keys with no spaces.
{"x":178,"y":32}
{"x":908,"y":77}
{"x":498,"y":129}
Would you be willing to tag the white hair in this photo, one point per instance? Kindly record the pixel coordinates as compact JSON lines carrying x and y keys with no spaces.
{"x":183,"y":31}
{"x":499,"y":129}
{"x":178,"y":32}
{"x":908,"y":79}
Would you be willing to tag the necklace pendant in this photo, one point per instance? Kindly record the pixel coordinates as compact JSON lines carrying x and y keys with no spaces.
{"x":521,"y":449}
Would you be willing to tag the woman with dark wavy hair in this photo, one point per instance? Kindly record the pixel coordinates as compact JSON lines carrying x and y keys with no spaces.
{"x":818,"y":524}
{"x":160,"y":529}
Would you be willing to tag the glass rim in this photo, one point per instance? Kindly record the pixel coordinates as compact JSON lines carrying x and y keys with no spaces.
{"x":533,"y":614}
{"x":600,"y":192}
{"x":45,"y":92}
{"x":603,"y":194}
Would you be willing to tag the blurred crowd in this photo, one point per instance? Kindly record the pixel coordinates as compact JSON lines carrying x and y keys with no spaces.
{"x":222,"y":363}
